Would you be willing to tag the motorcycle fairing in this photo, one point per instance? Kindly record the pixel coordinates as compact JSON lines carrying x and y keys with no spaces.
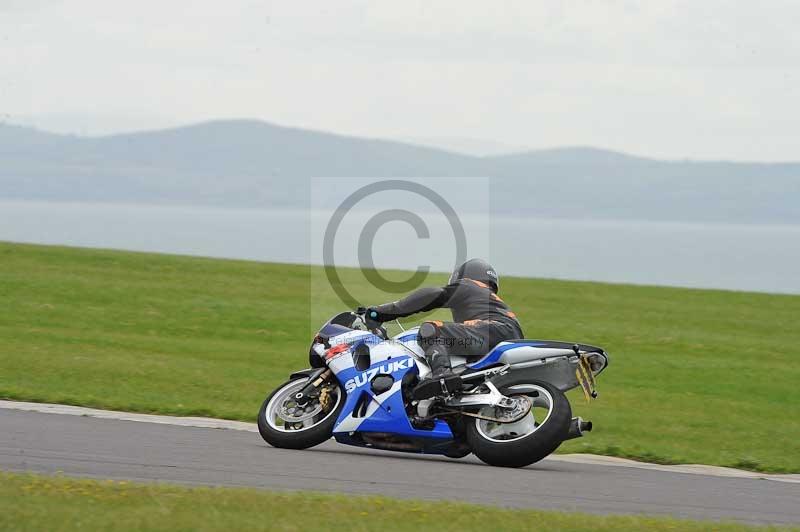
{"x":554,"y":362}
{"x":365,"y":411}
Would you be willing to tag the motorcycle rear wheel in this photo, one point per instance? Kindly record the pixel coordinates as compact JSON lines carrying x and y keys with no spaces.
{"x":284,"y":424}
{"x":528,"y":440}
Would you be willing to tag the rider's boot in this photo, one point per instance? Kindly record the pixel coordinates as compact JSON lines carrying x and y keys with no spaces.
{"x":441,"y":381}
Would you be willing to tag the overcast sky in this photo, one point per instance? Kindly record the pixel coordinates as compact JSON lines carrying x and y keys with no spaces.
{"x":706,"y":79}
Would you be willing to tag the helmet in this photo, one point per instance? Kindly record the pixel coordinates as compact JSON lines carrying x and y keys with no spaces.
{"x":477,"y":270}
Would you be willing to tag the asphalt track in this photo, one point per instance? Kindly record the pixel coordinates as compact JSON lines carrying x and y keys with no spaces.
{"x":117,"y":449}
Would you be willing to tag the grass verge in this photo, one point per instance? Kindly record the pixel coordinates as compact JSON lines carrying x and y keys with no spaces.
{"x":34,"y":502}
{"x":696,"y":376}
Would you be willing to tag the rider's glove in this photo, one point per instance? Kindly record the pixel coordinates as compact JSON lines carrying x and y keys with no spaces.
{"x":372,"y":318}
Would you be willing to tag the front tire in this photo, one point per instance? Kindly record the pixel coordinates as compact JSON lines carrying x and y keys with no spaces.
{"x":282,"y":426}
{"x":530,"y":439}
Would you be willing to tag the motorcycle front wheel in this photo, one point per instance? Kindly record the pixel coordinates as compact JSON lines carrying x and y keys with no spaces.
{"x":529,"y":439}
{"x":284,"y":423}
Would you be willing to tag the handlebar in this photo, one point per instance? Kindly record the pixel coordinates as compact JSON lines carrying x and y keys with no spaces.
{"x":376,"y":327}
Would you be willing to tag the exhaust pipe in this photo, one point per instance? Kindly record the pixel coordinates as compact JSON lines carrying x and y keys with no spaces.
{"x":577,"y":427}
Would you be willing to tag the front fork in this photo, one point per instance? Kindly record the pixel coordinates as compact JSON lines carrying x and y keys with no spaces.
{"x":311,"y":390}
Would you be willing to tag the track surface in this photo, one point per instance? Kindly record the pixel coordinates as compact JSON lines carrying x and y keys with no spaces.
{"x":103,"y":448}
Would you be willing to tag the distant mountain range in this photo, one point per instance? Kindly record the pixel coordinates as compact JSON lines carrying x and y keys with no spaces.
{"x":465,"y":145}
{"x":257,"y":164}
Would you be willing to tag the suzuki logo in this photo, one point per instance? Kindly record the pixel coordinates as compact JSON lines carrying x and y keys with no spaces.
{"x":366,"y":376}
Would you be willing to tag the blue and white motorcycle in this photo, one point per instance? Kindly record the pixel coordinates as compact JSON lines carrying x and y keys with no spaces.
{"x":511,"y":412}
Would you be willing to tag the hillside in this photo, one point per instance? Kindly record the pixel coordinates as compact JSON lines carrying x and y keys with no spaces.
{"x":250,"y":163}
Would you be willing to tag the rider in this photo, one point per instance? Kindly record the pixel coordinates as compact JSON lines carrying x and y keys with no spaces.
{"x":481,"y":320}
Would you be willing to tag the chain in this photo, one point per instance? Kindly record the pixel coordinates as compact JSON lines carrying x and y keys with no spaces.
{"x":488,"y":418}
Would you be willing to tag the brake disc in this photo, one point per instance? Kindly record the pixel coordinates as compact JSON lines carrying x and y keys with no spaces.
{"x":292,"y":412}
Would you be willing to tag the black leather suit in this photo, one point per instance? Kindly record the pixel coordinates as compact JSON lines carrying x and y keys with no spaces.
{"x":481,"y":319}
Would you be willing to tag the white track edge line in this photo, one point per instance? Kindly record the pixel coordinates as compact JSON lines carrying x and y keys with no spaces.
{"x":211,"y":423}
{"x":200,"y":422}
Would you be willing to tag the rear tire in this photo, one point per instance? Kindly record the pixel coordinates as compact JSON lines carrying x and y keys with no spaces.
{"x":459,"y":451}
{"x":288,"y":437}
{"x":544,"y":438}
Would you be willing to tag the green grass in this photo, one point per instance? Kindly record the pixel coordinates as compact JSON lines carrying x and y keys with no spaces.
{"x":696,"y":376}
{"x":33,"y":502}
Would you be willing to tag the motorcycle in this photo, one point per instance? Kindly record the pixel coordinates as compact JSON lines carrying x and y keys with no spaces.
{"x":511,"y":410}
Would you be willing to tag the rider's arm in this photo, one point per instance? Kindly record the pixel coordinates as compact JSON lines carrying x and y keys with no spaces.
{"x":421,"y":300}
